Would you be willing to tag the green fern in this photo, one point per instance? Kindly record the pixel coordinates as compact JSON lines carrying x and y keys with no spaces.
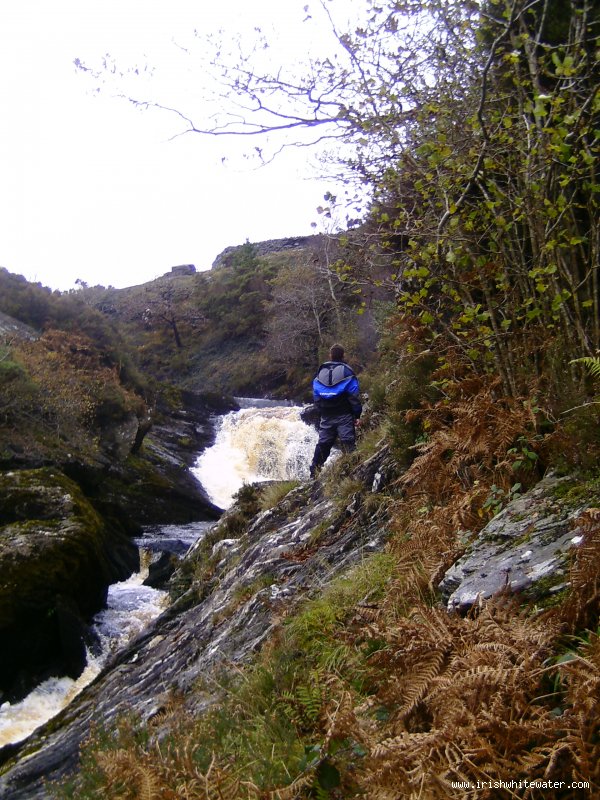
{"x":311,"y":701}
{"x":305,"y":702}
{"x":319,"y":792}
{"x":592,"y":364}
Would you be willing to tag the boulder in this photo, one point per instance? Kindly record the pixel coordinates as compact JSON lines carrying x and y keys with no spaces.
{"x":118,"y":439}
{"x":57,"y":558}
{"x":160,"y":569}
{"x":526,"y":549}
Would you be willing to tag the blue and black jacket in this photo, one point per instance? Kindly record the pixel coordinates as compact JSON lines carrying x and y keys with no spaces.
{"x":336,"y":390}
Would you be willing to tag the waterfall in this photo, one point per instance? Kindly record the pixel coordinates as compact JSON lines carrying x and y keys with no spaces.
{"x":258,"y":443}
{"x":255,"y":444}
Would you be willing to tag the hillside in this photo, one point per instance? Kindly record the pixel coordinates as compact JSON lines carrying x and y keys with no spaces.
{"x":256,"y":324}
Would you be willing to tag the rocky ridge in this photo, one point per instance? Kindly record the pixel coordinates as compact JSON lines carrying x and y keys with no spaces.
{"x":268,"y":247}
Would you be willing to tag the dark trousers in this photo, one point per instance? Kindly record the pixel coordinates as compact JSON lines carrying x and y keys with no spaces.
{"x":331,"y":428}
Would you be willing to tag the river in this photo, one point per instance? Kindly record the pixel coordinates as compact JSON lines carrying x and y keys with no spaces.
{"x":258,"y":443}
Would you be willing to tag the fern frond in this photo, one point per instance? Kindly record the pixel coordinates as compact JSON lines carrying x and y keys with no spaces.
{"x":292,"y":791}
{"x":341,"y":719}
{"x":582,"y":607}
{"x":425,"y":671}
{"x":127,"y":774}
{"x":591,"y":363}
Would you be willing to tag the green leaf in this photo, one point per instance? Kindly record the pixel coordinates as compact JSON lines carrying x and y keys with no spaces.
{"x":328,"y":776}
{"x":591,"y":364}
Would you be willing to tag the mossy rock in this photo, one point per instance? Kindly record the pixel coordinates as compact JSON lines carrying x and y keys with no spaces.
{"x":57,"y":558}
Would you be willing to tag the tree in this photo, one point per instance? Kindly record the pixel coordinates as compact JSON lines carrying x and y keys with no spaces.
{"x":497,"y":193}
{"x":169,"y":305}
{"x":301,"y":313}
{"x":475,"y":127}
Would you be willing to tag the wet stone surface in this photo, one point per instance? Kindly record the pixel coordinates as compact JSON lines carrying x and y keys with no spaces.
{"x":526,"y":548}
{"x":288,"y":547}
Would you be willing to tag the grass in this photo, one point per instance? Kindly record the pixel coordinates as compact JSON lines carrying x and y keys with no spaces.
{"x":267,"y":728}
{"x":272,"y":494}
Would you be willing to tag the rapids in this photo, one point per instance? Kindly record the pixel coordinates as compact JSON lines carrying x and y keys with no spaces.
{"x":130,"y":606}
{"x":260,"y":442}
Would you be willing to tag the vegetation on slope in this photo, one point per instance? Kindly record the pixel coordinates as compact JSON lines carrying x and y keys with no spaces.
{"x":62,"y":389}
{"x":373,"y":690}
{"x":251,"y":326}
{"x":484,"y":167}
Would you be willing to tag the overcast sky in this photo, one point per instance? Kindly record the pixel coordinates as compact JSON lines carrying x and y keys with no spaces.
{"x":92,"y":188}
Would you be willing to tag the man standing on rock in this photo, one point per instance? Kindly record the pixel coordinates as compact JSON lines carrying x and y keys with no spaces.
{"x":336,"y":395}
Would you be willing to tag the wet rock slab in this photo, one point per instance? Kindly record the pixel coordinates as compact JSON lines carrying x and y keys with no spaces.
{"x":295,"y":548}
{"x":526,"y":549}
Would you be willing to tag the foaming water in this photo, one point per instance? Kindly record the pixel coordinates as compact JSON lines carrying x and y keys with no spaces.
{"x":18,"y":720}
{"x":255,"y":444}
{"x":130,"y":607}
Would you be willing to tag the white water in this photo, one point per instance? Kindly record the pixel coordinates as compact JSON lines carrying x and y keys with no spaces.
{"x":255,"y":444}
{"x":18,"y":720}
{"x":130,"y":607}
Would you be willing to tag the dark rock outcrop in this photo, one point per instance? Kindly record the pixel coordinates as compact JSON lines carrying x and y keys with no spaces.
{"x":286,"y":552}
{"x":57,"y":557}
{"x":227,"y":256}
{"x":155,"y":484}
